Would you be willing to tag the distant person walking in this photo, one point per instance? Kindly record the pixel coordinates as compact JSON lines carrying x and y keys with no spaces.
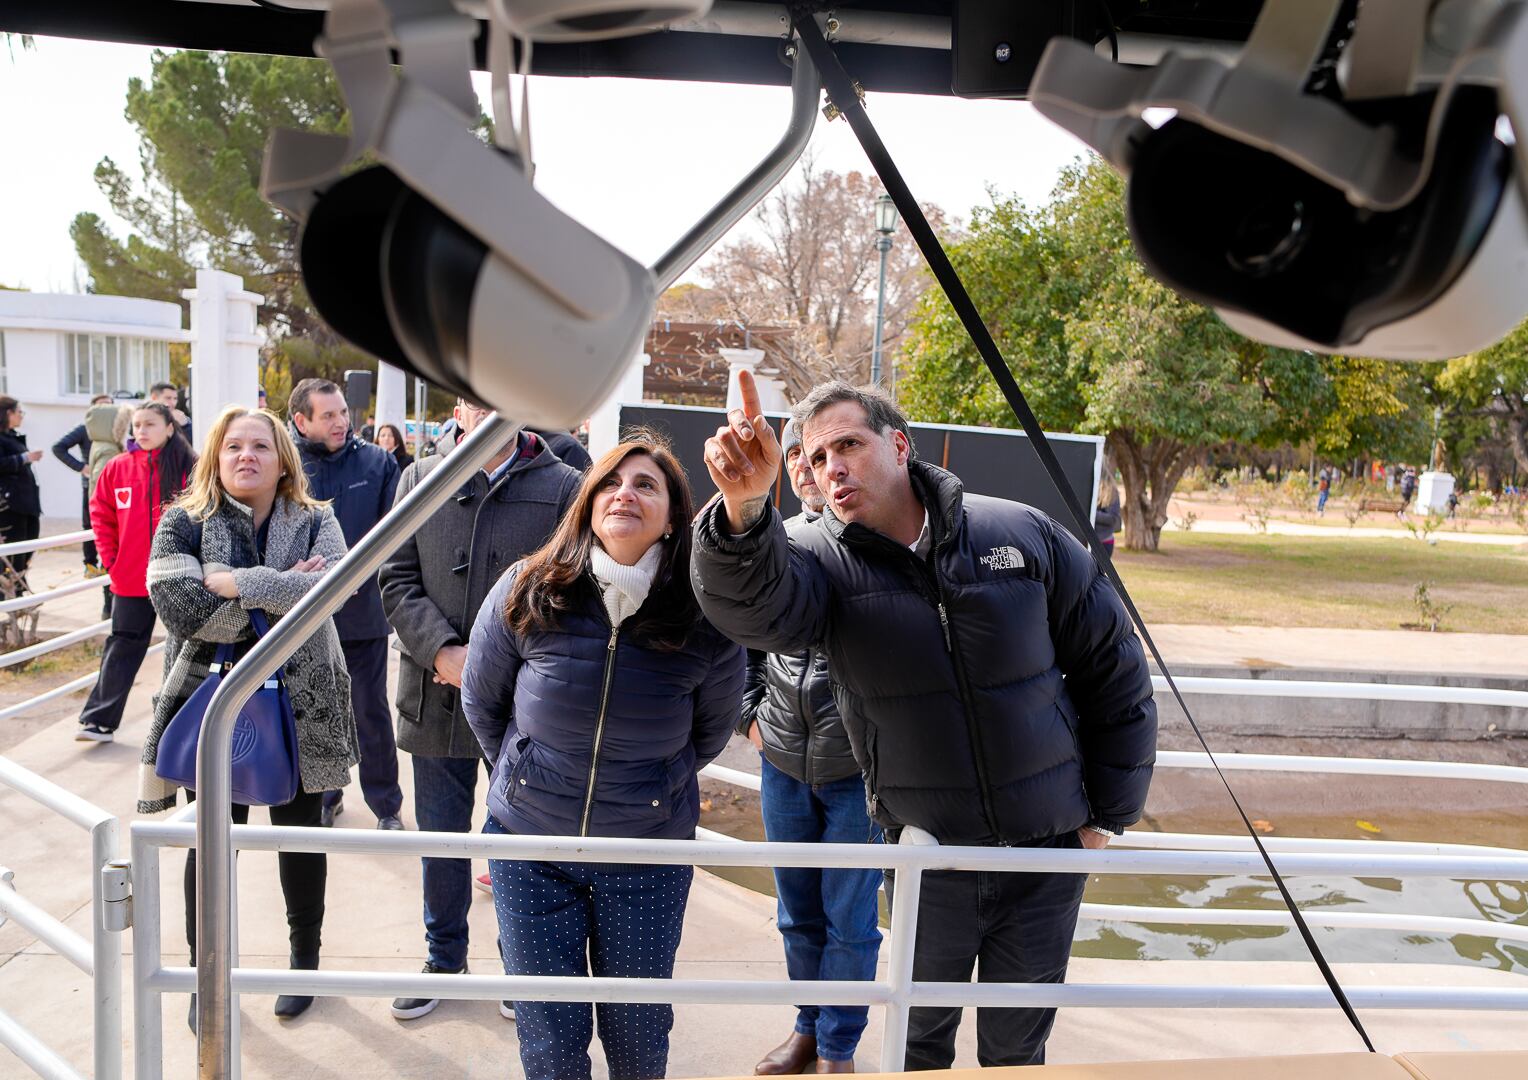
{"x":1408,"y":490}
{"x":130,"y":497}
{"x":77,"y":438}
{"x":1107,"y":519}
{"x":21,"y":512}
{"x":1323,"y":489}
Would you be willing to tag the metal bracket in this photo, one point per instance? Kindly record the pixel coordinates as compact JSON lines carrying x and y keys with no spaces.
{"x":117,"y":895}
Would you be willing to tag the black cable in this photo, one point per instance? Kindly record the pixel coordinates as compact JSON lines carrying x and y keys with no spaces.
{"x":1109,"y":30}
{"x":840,"y":89}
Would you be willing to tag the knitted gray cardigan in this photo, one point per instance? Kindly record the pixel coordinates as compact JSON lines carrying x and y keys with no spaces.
{"x":196,"y":620}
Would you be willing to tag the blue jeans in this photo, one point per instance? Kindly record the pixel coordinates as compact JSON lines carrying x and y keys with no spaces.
{"x":443,"y":799}
{"x":828,"y":918}
{"x":620,"y":921}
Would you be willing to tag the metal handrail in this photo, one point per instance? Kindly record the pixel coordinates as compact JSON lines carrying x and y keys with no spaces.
{"x":72,"y":687}
{"x":42,"y":543}
{"x":63,"y":641}
{"x":898,"y":992}
{"x":1309,"y":688}
{"x":806,"y":90}
{"x":37,"y":599}
{"x":104,"y":962}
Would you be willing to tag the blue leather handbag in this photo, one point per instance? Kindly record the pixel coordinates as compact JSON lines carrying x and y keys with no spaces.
{"x":264,"y":737}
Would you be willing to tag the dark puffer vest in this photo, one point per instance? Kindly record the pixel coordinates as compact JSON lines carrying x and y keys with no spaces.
{"x":994,"y":693}
{"x":791,"y":700}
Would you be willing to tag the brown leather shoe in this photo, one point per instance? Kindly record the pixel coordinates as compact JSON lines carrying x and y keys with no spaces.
{"x":825,"y":1066}
{"x":794,"y":1055}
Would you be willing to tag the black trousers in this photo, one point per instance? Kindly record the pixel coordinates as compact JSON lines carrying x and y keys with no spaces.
{"x":366,"y":661}
{"x":91,"y":558}
{"x":132,"y":625}
{"x":304,"y":876}
{"x":1010,"y":928}
{"x":17,"y":527}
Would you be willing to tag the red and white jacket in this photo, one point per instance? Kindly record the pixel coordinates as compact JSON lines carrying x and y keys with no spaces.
{"x":124,"y":512}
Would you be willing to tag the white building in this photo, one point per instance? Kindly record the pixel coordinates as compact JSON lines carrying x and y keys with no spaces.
{"x":57,"y":351}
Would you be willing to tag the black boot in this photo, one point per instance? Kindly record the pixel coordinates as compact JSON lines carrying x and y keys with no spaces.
{"x":290,"y":1006}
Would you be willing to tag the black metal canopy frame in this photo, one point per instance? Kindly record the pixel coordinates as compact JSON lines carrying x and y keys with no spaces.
{"x":890,"y":45}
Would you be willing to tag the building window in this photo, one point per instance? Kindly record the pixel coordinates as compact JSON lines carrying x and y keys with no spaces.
{"x":98,"y":364}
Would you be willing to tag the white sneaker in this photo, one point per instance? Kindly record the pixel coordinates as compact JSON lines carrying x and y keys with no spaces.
{"x":507,"y":1010}
{"x":93,"y":733}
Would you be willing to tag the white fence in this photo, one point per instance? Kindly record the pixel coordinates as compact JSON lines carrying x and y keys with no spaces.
{"x":118,"y":888}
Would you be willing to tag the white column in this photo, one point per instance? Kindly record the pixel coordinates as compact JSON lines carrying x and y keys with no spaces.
{"x":1433,"y":490}
{"x":225,"y":368}
{"x":771,"y":391}
{"x":605,"y":424}
{"x":392,"y":396}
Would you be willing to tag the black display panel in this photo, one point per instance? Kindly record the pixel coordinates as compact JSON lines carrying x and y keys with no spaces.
{"x":991,"y":461}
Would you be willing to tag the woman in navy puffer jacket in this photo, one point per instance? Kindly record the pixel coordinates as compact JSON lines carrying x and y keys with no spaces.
{"x":598,"y":691}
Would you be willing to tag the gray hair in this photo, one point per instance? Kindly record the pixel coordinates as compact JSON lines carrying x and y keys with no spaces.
{"x":880,"y":410}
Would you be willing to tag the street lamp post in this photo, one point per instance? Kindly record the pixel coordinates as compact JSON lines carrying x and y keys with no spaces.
{"x":885,"y":225}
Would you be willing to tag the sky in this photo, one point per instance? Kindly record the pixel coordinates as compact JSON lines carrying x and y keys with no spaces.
{"x":635,"y":160}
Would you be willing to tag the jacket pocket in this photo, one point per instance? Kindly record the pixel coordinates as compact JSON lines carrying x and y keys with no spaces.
{"x":412,"y":684}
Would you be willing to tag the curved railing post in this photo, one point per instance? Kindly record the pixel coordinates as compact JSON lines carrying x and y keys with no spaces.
{"x":806,"y":91}
{"x":214,"y":773}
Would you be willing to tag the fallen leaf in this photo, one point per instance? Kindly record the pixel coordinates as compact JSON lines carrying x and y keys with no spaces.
{"x":1262,"y":826}
{"x":1367,"y":826}
{"x":705,"y":805}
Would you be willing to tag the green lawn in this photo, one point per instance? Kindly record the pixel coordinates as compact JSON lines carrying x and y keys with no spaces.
{"x":1363,"y":584}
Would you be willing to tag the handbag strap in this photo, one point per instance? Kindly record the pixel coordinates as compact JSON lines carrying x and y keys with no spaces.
{"x":261,"y":622}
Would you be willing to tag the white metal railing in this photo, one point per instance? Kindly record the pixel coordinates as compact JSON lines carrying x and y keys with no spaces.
{"x":63,"y":641}
{"x":897,"y":992}
{"x":72,"y":687}
{"x":42,"y":543}
{"x":37,"y":599}
{"x":100,"y":957}
{"x":1273,"y":687}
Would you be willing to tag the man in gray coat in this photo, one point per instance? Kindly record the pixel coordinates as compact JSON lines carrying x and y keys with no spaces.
{"x":432,"y":587}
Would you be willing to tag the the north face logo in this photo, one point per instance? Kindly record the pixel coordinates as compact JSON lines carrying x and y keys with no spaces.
{"x":124,"y":497}
{"x":1003,"y":558}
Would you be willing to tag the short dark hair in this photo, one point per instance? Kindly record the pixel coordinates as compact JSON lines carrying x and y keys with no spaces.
{"x":163,"y":386}
{"x":880,"y":410}
{"x":301,"y":401}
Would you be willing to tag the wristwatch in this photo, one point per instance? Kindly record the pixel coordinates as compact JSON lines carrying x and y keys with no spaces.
{"x":1100,"y":830}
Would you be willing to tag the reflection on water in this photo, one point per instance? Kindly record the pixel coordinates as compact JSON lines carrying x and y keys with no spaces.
{"x":1484,"y":901}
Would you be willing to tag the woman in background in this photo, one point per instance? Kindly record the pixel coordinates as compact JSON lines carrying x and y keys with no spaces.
{"x":1107,"y":519}
{"x":390,"y":439}
{"x":130,"y":496}
{"x":21,"y":514}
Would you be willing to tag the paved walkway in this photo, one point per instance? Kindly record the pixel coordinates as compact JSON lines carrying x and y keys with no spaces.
{"x":1295,"y":528}
{"x":1331,"y":649}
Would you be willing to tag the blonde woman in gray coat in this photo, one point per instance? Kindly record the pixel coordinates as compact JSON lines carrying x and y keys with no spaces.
{"x":247,"y":535}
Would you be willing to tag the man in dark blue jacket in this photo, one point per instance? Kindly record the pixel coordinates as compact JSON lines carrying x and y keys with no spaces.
{"x":359,"y":480}
{"x":986,"y":673}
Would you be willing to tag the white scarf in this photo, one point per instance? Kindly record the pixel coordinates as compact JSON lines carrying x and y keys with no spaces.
{"x":623,"y":588}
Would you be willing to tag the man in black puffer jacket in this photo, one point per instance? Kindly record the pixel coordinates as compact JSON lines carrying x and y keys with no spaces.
{"x":986,"y":673}
{"x":812,"y":793}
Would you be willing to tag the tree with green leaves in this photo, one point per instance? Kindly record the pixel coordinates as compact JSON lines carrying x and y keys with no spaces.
{"x":1101,"y":346}
{"x":1493,"y":385}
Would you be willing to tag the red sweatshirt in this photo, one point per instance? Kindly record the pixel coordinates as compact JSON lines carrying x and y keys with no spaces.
{"x":124,"y":512}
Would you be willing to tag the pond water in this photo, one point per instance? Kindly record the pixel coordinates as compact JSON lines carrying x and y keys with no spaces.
{"x":1484,"y":901}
